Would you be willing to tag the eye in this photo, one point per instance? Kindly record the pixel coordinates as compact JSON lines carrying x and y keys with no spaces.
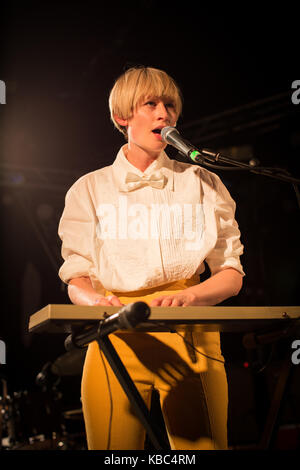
{"x":150,"y":103}
{"x":170,"y":105}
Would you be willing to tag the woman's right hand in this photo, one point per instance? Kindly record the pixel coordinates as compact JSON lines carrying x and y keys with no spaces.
{"x":110,"y":300}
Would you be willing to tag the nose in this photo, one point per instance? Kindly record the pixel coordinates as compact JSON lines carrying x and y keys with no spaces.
{"x":162,"y":111}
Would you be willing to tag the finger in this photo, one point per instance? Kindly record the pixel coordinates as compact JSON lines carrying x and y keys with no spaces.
{"x":104,"y":302}
{"x":176,"y":302}
{"x":166,"y":302}
{"x":115,"y":300}
{"x":156,"y":302}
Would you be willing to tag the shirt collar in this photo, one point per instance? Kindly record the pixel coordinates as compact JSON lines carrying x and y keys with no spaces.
{"x":121,"y":166}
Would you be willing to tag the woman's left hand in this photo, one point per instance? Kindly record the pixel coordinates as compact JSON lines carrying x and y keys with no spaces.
{"x":183,"y":299}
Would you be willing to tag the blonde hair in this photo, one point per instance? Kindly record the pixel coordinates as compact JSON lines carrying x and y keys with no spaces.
{"x":136,"y":84}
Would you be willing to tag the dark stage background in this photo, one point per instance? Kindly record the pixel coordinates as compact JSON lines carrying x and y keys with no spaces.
{"x":59,"y":62}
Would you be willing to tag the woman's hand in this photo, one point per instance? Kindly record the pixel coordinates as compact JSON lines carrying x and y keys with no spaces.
{"x":182,"y":299}
{"x":222,"y":285}
{"x":81,"y":292}
{"x":111,"y":300}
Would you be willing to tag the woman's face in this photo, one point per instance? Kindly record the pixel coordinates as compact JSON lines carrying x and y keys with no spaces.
{"x":149,"y":118}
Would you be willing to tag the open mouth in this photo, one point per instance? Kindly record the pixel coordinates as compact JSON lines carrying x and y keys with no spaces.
{"x":156,"y":131}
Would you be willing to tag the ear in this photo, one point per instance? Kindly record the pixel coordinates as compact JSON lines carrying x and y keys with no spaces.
{"x":120,"y":121}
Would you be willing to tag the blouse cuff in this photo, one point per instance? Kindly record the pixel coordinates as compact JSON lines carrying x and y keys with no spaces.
{"x":228,"y":263}
{"x":74,"y":266}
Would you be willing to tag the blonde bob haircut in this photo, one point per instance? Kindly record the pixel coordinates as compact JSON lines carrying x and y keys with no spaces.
{"x":137,"y":84}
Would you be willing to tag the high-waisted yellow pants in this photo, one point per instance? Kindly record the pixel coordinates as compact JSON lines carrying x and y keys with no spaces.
{"x":192,"y":388}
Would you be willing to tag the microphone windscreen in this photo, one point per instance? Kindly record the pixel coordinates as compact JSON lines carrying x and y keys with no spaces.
{"x":133,"y":314}
{"x":166,"y":131}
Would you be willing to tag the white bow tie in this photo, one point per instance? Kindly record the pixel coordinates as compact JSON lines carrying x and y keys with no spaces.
{"x":132,"y":181}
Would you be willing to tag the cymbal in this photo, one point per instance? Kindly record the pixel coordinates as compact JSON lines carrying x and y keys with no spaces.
{"x":70,"y":363}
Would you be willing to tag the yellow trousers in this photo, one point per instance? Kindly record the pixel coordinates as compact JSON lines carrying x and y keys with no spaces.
{"x":192,"y":388}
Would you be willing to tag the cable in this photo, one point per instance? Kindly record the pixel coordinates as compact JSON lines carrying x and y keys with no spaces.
{"x":197,"y":350}
{"x":190,"y":344}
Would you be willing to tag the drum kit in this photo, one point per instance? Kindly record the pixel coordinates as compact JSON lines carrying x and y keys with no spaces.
{"x":39,"y":418}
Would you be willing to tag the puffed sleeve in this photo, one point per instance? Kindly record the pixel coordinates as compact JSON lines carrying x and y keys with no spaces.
{"x":228,"y":248}
{"x":77,"y":228}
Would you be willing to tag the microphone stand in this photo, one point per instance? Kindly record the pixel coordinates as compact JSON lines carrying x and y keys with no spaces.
{"x":200,"y":156}
{"x":282,"y":175}
{"x":95,"y":333}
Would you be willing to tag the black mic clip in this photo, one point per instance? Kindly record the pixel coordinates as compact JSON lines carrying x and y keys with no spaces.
{"x":127,"y":318}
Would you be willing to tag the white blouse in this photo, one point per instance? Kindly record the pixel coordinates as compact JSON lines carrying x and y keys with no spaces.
{"x":129,"y":230}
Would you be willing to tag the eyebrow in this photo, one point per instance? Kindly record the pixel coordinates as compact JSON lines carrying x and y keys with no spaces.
{"x":160,"y":97}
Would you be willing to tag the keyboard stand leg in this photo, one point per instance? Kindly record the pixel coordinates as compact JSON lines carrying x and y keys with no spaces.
{"x":275,"y":404}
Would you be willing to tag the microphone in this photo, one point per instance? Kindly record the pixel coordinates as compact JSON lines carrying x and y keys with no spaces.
{"x":127,"y":318}
{"x":171,"y":136}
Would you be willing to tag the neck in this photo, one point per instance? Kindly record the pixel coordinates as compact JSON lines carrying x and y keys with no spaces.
{"x":139,"y":157}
